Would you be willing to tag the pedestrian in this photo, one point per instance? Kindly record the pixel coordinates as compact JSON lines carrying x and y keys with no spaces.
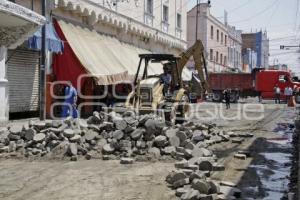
{"x":286,"y":93}
{"x":277,"y":94}
{"x":70,"y":103}
{"x":296,"y":93}
{"x":226,"y":94}
{"x":110,"y":101}
{"x":290,"y":93}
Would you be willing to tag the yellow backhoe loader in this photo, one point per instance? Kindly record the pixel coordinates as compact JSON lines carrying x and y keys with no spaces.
{"x":171,"y":100}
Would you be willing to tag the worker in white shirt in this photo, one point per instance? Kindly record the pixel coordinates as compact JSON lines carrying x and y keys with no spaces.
{"x":277,"y":94}
{"x":286,"y":93}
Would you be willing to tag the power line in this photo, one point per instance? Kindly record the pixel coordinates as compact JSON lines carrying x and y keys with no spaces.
{"x":259,"y":13}
{"x":240,"y":6}
{"x":283,"y":53}
{"x":236,"y":8}
{"x":274,"y":11}
{"x":270,"y":28}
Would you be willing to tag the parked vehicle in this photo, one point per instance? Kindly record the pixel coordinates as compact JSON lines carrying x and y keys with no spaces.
{"x":259,"y":83}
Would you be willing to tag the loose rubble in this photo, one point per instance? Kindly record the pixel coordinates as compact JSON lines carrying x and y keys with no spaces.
{"x":191,"y":179}
{"x":129,"y":138}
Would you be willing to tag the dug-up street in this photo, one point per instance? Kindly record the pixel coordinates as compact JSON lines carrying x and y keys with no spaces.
{"x":253,"y":163}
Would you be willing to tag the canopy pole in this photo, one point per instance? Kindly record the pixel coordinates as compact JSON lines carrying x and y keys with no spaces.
{"x":42,"y":66}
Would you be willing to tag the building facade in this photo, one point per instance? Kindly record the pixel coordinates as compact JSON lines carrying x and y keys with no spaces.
{"x":156,"y":25}
{"x":259,"y":43}
{"x":111,"y":35}
{"x":160,"y":24}
{"x":282,"y":67}
{"x":163,"y":15}
{"x":234,"y":48}
{"x":17,"y":23}
{"x":222,"y":42}
{"x":249,"y":60}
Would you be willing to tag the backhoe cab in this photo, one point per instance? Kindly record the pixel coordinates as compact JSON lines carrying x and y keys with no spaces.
{"x":162,"y":93}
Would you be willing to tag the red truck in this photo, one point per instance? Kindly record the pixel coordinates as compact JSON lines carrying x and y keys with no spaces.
{"x":259,"y":83}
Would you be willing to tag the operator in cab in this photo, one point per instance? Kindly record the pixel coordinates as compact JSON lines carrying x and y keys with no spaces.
{"x":166,"y":79}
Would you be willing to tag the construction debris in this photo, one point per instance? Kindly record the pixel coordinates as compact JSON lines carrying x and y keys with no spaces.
{"x":128,"y":138}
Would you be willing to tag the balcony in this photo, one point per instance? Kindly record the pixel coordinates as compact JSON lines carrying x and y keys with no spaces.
{"x":149,"y":18}
{"x":165,"y":26}
{"x":17,"y":23}
{"x":178,"y":33}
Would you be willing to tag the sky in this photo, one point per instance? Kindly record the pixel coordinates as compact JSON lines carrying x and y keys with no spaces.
{"x":280,"y":18}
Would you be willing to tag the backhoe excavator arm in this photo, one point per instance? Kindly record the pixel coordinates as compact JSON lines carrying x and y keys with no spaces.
{"x":197,"y":51}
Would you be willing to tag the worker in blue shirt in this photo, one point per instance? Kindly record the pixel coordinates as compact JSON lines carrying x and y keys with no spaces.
{"x":69,"y":107}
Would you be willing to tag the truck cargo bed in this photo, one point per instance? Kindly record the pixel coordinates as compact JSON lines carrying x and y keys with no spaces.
{"x":222,"y":81}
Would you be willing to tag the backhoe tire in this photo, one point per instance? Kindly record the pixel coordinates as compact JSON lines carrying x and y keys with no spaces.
{"x":183,"y":110}
{"x":234,"y":98}
{"x":170,"y":115}
{"x":217,"y":96}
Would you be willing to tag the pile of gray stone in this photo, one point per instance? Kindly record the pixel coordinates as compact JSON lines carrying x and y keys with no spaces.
{"x":126,"y":136}
{"x":101,"y":133}
{"x":191,"y":179}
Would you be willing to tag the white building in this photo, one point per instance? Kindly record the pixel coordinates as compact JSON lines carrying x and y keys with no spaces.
{"x":155,"y":25}
{"x":141,"y":26}
{"x":234,"y":48}
{"x":17,"y":23}
{"x":221,"y":41}
{"x":107,"y":36}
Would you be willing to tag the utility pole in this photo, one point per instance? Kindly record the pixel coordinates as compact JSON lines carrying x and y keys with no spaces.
{"x":43,"y":66}
{"x":197,"y":16}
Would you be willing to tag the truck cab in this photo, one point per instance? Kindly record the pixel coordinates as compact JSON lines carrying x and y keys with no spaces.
{"x":266,"y":80}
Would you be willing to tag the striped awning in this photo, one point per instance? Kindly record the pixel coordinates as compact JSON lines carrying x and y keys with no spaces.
{"x":105,"y":57}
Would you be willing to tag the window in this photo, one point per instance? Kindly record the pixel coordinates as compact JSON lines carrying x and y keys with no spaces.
{"x":165,"y":13}
{"x":211,"y":54}
{"x":212,"y":32}
{"x":217,"y":57}
{"x":218,"y":35}
{"x":225,"y":60}
{"x":150,"y":7}
{"x":178,"y":20}
{"x":221,"y":38}
{"x":283,"y":78}
{"x":221,"y":59}
{"x":225,"y":40}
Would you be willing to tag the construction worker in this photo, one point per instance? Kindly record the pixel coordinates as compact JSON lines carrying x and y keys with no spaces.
{"x":286,"y":93}
{"x":226,"y":94}
{"x":110,"y":100}
{"x":70,"y":103}
{"x":290,"y":92}
{"x":277,"y":94}
{"x":166,"y":79}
